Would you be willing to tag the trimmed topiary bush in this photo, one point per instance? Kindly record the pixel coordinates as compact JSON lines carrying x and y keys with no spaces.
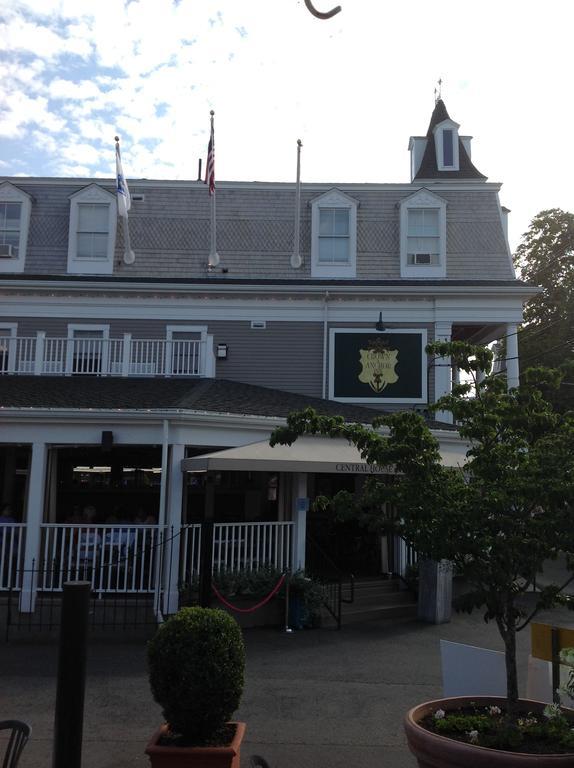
{"x":196,"y":670}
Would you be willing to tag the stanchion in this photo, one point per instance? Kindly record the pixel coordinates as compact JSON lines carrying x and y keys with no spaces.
{"x":288,"y":629}
{"x":69,"y":716}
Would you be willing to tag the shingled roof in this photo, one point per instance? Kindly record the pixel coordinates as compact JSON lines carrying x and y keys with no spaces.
{"x":428,"y":167}
{"x":156,"y":394}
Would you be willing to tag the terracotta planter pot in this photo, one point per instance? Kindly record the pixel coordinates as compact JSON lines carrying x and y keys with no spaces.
{"x":195,"y":757}
{"x":434,"y":751}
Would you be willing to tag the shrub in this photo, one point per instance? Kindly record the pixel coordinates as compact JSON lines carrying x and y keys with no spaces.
{"x":196,"y":669}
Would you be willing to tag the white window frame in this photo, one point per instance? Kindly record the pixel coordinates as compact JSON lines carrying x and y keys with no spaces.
{"x":334,"y":199}
{"x":91,"y":266}
{"x":203,"y":350}
{"x":11,"y":194}
{"x":423,"y":199}
{"x":103,"y":329}
{"x":448,"y":125}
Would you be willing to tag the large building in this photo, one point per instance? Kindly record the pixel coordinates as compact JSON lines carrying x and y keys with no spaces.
{"x":135,"y":397}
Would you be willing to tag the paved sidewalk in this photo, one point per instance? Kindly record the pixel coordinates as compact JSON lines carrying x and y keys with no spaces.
{"x":317,"y":698}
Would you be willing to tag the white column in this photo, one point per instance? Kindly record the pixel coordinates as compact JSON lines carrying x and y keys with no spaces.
{"x":173,"y":530}
{"x":442,"y":370}
{"x":300,"y":505}
{"x":512,"y":367}
{"x":39,"y":353}
{"x":34,"y":514}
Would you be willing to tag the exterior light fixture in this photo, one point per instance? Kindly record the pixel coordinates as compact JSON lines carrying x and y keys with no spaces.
{"x":379,"y":325}
{"x":222,"y":351}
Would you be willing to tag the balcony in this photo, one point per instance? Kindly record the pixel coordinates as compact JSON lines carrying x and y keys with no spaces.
{"x":41,"y":355}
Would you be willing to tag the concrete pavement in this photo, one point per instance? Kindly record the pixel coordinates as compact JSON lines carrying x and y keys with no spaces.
{"x":317,"y":698}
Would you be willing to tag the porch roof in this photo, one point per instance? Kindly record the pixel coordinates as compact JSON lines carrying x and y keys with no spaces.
{"x":308,"y":454}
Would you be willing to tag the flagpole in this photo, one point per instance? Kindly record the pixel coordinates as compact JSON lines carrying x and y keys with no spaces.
{"x":296,"y":260}
{"x":129,"y":255}
{"x":213,"y":260}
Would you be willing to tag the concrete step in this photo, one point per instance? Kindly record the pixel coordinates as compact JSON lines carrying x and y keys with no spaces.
{"x":357,"y":614}
{"x":381,"y":598}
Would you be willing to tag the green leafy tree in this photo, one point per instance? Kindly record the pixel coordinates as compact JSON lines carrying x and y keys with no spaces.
{"x":545,"y":257}
{"x":500,"y":515}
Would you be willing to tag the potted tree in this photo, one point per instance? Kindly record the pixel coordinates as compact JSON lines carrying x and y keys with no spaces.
{"x":497,"y":518}
{"x":196,"y":666}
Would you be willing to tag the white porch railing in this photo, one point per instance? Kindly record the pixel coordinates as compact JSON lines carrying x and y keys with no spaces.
{"x":40,"y":355}
{"x":124,"y":558}
{"x":11,"y":555}
{"x":114,"y":558}
{"x":249,"y":546}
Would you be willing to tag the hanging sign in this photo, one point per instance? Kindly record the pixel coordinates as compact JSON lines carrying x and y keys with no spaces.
{"x":372,"y":366}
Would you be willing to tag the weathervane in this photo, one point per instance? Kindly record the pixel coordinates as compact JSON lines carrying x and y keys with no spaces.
{"x":438,"y":91}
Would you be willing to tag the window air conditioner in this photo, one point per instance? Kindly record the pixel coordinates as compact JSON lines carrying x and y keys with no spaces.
{"x":7,"y":251}
{"x":422,"y":258}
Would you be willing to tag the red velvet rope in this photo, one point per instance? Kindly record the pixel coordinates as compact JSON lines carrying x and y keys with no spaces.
{"x":273,"y":592}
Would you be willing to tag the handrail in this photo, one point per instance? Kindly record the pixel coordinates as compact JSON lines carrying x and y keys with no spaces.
{"x":333,"y":583}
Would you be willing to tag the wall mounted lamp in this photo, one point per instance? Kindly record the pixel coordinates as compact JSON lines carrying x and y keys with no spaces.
{"x":379,"y":325}
{"x":222,"y":351}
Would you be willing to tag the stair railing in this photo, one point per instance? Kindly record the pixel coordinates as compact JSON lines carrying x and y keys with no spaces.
{"x":333,"y":579}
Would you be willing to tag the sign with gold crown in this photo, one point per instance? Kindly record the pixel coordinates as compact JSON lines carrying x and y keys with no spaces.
{"x":370,"y":367}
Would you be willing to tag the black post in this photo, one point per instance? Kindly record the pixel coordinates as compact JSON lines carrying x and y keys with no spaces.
{"x":69,"y":717}
{"x":555,"y":665}
{"x":205,"y":558}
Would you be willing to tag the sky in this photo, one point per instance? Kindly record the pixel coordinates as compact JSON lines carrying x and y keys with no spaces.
{"x":74,"y":73}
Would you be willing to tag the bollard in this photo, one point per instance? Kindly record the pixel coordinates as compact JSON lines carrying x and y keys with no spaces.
{"x":69,"y":717}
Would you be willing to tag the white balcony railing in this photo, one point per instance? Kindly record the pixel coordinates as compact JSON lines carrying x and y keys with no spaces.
{"x":56,"y":356}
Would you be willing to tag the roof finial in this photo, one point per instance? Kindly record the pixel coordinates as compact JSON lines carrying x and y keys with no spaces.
{"x":438,"y":91}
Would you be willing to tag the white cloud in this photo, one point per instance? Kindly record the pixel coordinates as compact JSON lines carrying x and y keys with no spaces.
{"x":353,"y":88}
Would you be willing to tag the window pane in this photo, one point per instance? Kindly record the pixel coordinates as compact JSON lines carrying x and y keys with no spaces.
{"x":333,"y":250}
{"x":447,"y":148}
{"x":326,"y":221}
{"x":10,"y":238}
{"x":340,"y":249}
{"x":12,"y":212}
{"x":92,"y":217}
{"x":423,"y":222}
{"x":341,"y":221}
{"x":423,"y":245}
{"x":88,"y":334}
{"x":92,"y":245}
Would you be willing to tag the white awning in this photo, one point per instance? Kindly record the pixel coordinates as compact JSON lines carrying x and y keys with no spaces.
{"x":306,"y":454}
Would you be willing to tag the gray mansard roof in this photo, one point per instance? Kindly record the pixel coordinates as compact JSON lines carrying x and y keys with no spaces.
{"x":170,"y":229}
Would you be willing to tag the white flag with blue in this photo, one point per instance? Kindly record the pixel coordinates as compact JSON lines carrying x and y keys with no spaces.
{"x":123,"y":193}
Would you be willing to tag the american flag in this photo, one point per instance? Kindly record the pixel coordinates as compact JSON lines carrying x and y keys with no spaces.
{"x":210,"y":167}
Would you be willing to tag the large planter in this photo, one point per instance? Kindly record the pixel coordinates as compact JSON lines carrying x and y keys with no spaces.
{"x":195,"y":757}
{"x":435,"y":751}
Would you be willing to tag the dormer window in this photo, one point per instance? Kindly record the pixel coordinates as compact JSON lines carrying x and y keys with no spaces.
{"x":334,"y":235}
{"x":446,"y":145}
{"x":423,"y":235}
{"x":92,"y":235}
{"x":15,"y":209}
{"x":447,"y":148}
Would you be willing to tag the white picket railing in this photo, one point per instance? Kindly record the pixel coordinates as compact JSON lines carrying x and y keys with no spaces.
{"x":11,"y":555}
{"x":237,"y":547}
{"x":41,"y":355}
{"x":114,"y":558}
{"x":250,"y":546}
{"x":124,"y":558}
